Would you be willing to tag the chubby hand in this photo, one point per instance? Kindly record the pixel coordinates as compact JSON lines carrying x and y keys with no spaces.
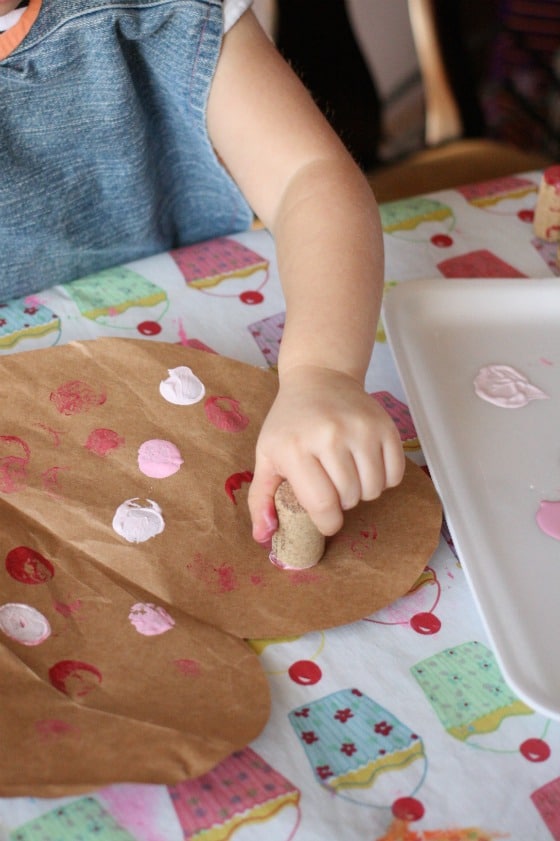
{"x":331,"y":440}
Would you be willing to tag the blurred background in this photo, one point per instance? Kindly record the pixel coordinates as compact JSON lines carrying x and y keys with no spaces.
{"x":359,"y":59}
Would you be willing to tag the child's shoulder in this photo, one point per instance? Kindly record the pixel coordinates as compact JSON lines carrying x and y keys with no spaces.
{"x":48,"y":18}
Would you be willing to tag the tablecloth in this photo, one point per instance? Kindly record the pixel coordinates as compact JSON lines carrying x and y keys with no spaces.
{"x":399,"y":727}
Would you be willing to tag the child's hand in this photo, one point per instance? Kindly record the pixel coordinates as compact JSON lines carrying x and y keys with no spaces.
{"x":333,"y":443}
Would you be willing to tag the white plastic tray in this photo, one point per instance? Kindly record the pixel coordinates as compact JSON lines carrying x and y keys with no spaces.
{"x":492,"y":466}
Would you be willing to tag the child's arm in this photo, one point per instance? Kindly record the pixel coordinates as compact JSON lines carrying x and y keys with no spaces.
{"x":324,"y":434}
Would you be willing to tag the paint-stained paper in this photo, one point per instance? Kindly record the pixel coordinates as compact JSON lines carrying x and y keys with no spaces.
{"x":132,"y":584}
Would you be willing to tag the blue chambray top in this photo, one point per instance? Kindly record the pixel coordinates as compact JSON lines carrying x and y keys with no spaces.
{"x":104,"y":151}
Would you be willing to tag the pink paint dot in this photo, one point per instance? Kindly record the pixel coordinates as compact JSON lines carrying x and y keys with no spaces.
{"x":408,"y":809}
{"x":548,"y":518}
{"x":102,"y":441}
{"x":75,"y":397}
{"x":305,"y":672}
{"x":28,"y":566}
{"x":159,"y":459}
{"x":149,"y":328}
{"x":150,"y":620}
{"x":441,"y":240}
{"x":526,"y":215}
{"x":251,"y":297}
{"x":425,"y":623}
{"x":535,"y":750}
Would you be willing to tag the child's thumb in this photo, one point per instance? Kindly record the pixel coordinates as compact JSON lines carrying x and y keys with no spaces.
{"x":261,"y":502}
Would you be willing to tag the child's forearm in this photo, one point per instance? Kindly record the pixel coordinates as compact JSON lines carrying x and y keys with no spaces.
{"x":330,"y":256}
{"x":324,"y":433}
{"x":307,"y":190}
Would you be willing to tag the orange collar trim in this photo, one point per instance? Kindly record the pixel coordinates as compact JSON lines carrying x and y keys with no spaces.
{"x":13,"y":37}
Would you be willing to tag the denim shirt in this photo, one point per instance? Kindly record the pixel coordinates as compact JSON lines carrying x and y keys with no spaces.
{"x":104,"y":151}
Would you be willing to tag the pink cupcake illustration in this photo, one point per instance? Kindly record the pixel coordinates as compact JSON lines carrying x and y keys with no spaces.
{"x":478,"y":263}
{"x":547,"y":803}
{"x":241,"y":790}
{"x":224,"y":267}
{"x":267,"y":333}
{"x":401,"y":416}
{"x":508,"y":195}
{"x":547,"y":251}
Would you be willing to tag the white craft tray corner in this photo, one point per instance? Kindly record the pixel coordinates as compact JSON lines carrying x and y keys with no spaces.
{"x":492,"y":466}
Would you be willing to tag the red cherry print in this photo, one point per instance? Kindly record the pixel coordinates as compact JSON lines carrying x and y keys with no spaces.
{"x":526,"y":215}
{"x":305,"y":672}
{"x":407,"y":809}
{"x":425,"y":623}
{"x":535,"y":750}
{"x":28,"y":567}
{"x":441,"y":240}
{"x":251,"y":297}
{"x":149,"y":328}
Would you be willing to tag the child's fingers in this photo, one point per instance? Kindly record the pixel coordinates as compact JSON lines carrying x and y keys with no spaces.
{"x":316,"y":492}
{"x":381,"y":468}
{"x":342,"y":472}
{"x":394,"y":461}
{"x":261,"y":501}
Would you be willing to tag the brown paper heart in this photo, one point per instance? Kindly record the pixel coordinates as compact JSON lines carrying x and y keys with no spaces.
{"x":204,"y":561}
{"x":139,"y":678}
{"x":106,"y":684}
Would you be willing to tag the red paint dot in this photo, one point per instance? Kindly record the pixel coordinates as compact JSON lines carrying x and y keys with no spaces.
{"x":425,"y":623}
{"x":251,"y":297}
{"x":74,"y":677}
{"x":28,"y":567}
{"x":305,"y":672}
{"x":102,"y":441}
{"x":75,"y":396}
{"x":441,"y":240}
{"x":225,"y":413}
{"x":235,"y":481}
{"x":407,"y":809}
{"x":535,"y":750}
{"x":149,"y":328}
{"x":189,"y":668}
{"x":526,"y":215}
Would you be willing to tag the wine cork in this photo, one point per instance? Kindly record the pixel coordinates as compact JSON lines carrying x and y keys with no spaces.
{"x":546,"y":221}
{"x":298,"y":543}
